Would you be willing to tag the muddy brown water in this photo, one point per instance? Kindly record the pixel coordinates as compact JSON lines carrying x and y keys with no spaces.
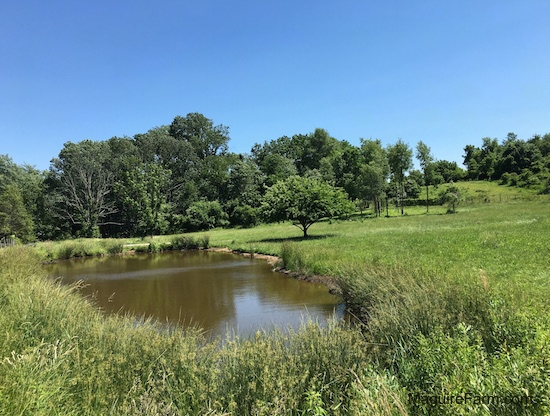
{"x":217,"y":291}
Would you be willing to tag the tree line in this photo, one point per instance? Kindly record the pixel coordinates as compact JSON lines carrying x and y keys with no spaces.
{"x":182,"y":177}
{"x":524,"y":163}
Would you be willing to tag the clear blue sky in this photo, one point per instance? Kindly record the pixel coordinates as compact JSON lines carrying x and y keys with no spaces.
{"x":445,"y":72}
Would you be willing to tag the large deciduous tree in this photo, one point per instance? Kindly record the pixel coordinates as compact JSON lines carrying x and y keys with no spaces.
{"x":206,"y":138}
{"x":304,"y":201}
{"x":84,"y":184}
{"x":179,"y":157}
{"x":143,"y":194}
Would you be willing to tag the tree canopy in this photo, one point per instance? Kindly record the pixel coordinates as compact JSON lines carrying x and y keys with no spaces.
{"x":304,"y":201}
{"x":181,"y":177}
{"x":14,"y":218}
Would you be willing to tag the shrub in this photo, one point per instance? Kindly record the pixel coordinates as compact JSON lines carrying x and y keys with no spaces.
{"x":245,"y":215}
{"x":452,"y":197}
{"x":204,"y":215}
{"x":513,"y":179}
{"x":505,"y":178}
{"x":546,"y":189}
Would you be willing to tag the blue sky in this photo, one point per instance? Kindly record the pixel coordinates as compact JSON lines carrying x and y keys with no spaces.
{"x":445,"y":72}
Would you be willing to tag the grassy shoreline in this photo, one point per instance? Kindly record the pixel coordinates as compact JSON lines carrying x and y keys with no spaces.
{"x":450,"y":305}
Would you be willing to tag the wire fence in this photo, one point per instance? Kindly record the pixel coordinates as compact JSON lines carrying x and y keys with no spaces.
{"x":7,"y":242}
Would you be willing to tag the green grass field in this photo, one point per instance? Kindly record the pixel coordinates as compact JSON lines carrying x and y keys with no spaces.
{"x":446,"y":306}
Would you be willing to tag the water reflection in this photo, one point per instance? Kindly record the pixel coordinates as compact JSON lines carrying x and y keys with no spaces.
{"x":217,"y":291}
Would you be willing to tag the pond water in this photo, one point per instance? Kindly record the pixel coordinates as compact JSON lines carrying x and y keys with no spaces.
{"x":217,"y":291}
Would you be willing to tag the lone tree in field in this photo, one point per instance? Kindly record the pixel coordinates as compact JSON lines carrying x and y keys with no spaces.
{"x":452,"y":197}
{"x":304,"y":201}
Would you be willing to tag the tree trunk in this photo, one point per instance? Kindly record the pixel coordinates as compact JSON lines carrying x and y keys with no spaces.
{"x":402,"y":197}
{"x":427,"y":199}
{"x":305,"y":226}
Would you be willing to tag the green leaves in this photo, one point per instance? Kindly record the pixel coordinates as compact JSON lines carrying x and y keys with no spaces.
{"x":143,"y":192}
{"x":14,"y":218}
{"x":304,"y":201}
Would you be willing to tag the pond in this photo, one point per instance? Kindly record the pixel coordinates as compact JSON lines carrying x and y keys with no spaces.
{"x":217,"y":291}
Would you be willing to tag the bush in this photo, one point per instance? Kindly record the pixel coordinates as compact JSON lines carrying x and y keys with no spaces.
{"x":546,"y":189}
{"x":204,"y":215}
{"x":505,"y":178}
{"x":452,"y":197}
{"x":513,"y":179}
{"x":245,"y":215}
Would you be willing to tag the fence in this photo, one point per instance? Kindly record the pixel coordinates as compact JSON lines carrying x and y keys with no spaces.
{"x":7,"y":242}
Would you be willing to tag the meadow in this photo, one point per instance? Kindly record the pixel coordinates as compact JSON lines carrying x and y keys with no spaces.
{"x":451,"y":316}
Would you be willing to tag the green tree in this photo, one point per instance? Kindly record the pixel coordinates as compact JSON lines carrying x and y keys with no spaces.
{"x":143,"y":194}
{"x":28,"y":181}
{"x":14,"y":218}
{"x":204,"y":215}
{"x":425,"y":158}
{"x":244,"y":192}
{"x":284,"y":146}
{"x":452,"y":197}
{"x":83,"y":184}
{"x":179,"y":157}
{"x":342,"y":168}
{"x":400,"y":161}
{"x":277,"y":167}
{"x":304,"y":201}
{"x":245,"y":183}
{"x":311,"y":149}
{"x":206,"y":138}
{"x":374,"y":172}
{"x":445,"y":172}
{"x":472,"y":160}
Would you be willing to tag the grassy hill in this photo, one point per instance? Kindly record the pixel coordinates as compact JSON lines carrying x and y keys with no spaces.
{"x":452,"y":316}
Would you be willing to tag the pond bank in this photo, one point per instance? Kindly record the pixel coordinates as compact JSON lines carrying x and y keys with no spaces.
{"x":329,"y":281}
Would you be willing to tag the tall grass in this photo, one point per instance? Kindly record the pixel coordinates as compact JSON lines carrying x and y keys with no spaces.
{"x":443,"y":305}
{"x":442,"y":335}
{"x":80,"y":248}
{"x":59,"y":355}
{"x":84,"y":247}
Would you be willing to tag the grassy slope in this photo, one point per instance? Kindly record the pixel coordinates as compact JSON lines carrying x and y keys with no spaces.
{"x":507,"y":240}
{"x":454,"y":303}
